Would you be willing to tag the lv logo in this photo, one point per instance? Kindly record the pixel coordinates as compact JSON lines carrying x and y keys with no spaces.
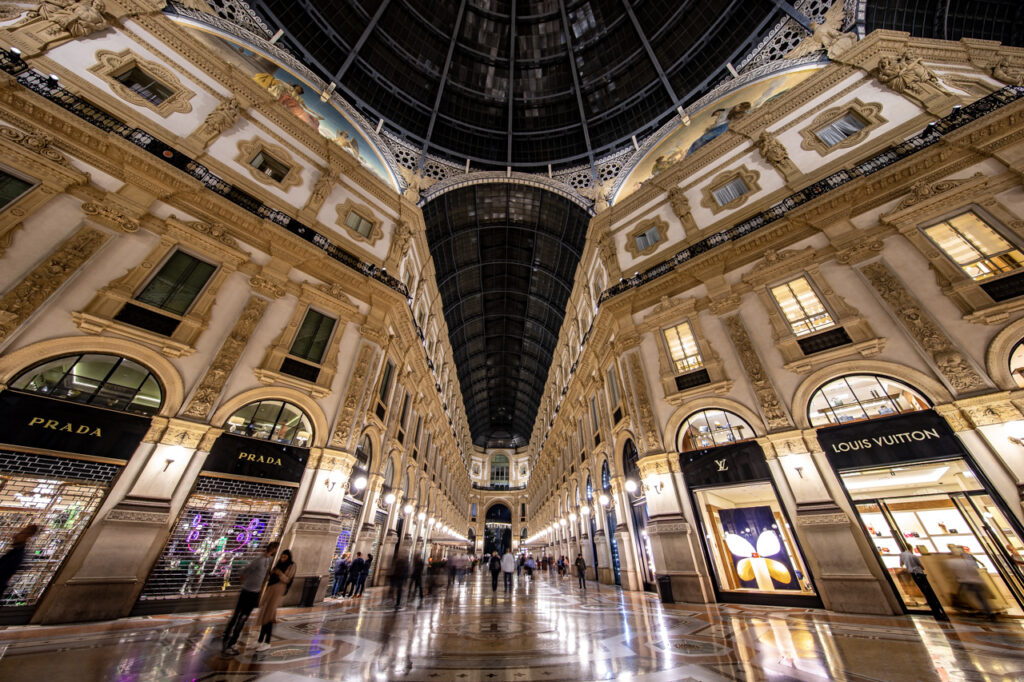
{"x":722,"y":466}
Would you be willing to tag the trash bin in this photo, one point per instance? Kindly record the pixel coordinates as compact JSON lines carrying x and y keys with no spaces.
{"x":665,"y":589}
{"x":310,"y":585}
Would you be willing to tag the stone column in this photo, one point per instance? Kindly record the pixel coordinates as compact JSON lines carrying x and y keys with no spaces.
{"x":629,"y":571}
{"x":367,"y":524}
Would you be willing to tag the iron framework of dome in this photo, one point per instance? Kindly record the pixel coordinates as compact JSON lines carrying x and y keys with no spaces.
{"x":505,"y":257}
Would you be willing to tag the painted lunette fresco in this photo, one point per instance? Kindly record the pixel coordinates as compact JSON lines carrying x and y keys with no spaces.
{"x":302,"y":100}
{"x":708,"y":123}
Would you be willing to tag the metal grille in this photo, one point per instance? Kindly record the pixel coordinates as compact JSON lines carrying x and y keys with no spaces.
{"x":215,"y":536}
{"x":33,"y":490}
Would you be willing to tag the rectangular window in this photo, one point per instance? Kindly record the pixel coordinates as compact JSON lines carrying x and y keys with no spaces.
{"x":314,"y":333}
{"x":682,"y":346}
{"x":973,"y":245}
{"x":613,"y":386}
{"x":144,"y":85}
{"x":648,"y":238}
{"x":839,"y":130}
{"x":11,"y":189}
{"x":177,"y":284}
{"x":405,"y":411}
{"x":385,"y":380}
{"x":803,"y":309}
{"x":593,"y":415}
{"x":359,"y":223}
{"x":419,"y":425}
{"x":269,"y":166}
{"x":730,"y":191}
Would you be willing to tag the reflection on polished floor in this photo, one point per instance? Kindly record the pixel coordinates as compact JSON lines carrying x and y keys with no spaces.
{"x":546,"y":630}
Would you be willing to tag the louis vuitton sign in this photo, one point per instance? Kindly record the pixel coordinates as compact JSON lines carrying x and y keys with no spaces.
{"x":254,"y":458}
{"x":903,"y":438}
{"x":723,"y":465}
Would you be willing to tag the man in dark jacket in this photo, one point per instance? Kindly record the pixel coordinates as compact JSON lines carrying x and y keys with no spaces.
{"x":11,"y":561}
{"x":399,"y":571}
{"x":495,"y":566}
{"x":363,"y":575}
{"x":416,"y":578}
{"x":354,"y":570}
{"x":340,"y":574}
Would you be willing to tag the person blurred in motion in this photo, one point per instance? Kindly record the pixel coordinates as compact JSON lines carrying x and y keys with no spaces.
{"x":11,"y":561}
{"x":340,"y":573}
{"x":253,"y":576}
{"x":280,"y":581}
{"x":354,"y":570}
{"x":508,"y":567}
{"x":495,"y":567}
{"x":416,"y":578}
{"x":399,"y":571}
{"x":531,"y":565}
{"x":972,"y":590}
{"x":581,"y":570}
{"x":909,"y":561}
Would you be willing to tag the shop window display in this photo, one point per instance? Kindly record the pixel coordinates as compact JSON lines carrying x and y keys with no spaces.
{"x":862,"y":396}
{"x":106,"y":381}
{"x":712,"y":428}
{"x":751,"y":544}
{"x":272,"y":420}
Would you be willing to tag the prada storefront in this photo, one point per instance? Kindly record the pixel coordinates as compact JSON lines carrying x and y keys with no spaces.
{"x":747,"y":538}
{"x":66,"y":435}
{"x":240,"y":502}
{"x":914,"y":486}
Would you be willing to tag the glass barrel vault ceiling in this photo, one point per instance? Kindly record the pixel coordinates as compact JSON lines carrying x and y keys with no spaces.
{"x":583,"y":76}
{"x":505,"y":256}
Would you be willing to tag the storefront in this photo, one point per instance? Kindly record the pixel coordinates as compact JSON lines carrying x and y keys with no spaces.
{"x":916,"y":488}
{"x":747,"y":538}
{"x":66,"y":435}
{"x":636,"y":496}
{"x":240,"y":502}
{"x":611,"y":522}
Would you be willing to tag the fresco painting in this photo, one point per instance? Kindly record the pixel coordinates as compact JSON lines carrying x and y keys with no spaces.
{"x":707,"y":124}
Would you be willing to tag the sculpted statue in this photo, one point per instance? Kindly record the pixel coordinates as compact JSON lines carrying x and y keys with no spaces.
{"x":771,"y":149}
{"x":78,"y":19}
{"x":417,"y":182}
{"x":598,"y":194}
{"x":832,"y":40}
{"x":906,"y":73}
{"x":680,"y":204}
{"x":1006,"y":72}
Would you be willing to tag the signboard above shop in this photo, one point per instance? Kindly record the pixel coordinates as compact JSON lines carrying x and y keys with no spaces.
{"x":53,"y":425}
{"x":724,"y":465}
{"x":253,"y":458}
{"x":911,"y":437}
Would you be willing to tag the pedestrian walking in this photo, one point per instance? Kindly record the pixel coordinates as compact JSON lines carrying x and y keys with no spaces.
{"x":399,"y":571}
{"x":416,"y":578}
{"x":280,"y":581}
{"x":11,"y":561}
{"x":495,"y":566}
{"x":354,"y":569}
{"x":531,"y":566}
{"x":581,"y":570}
{"x":909,"y":561}
{"x":253,"y":575}
{"x":508,"y":567}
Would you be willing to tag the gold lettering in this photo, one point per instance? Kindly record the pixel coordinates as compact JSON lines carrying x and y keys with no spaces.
{"x":67,"y":427}
{"x":50,"y":424}
{"x":96,"y":432}
{"x":35,"y":420}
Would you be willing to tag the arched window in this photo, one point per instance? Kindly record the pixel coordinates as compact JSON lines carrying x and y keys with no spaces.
{"x":1017,"y":364}
{"x":499,"y":470}
{"x":108,"y":381}
{"x":606,"y":476}
{"x":389,"y":472}
{"x":273,"y":420}
{"x":630,"y":457}
{"x":364,"y":451}
{"x":710,"y":429}
{"x":590,"y":489}
{"x":862,"y":396}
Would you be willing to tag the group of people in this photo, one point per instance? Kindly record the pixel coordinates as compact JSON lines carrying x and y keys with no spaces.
{"x":967,"y":573}
{"x":580,"y":566}
{"x":278,"y":580}
{"x":350,"y":575}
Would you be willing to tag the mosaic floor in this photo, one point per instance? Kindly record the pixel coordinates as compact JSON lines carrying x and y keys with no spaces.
{"x":544,"y":630}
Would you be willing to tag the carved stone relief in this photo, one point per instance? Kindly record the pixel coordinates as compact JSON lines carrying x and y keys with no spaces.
{"x":223,"y":116}
{"x":343,"y":428}
{"x":771,"y":406}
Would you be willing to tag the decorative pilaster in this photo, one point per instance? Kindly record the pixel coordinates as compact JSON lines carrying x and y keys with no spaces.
{"x":771,"y":406}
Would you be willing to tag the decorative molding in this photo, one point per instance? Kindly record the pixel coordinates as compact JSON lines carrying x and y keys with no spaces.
{"x":644,"y":226}
{"x":647,"y":421}
{"x":249,"y":149}
{"x":775,"y":153}
{"x":266,"y":286}
{"x":36,"y":142}
{"x":771,"y":406}
{"x":137,"y":516}
{"x":655,"y":527}
{"x":831,"y":519}
{"x":364,"y":211}
{"x":112,"y":64}
{"x":749,"y":177}
{"x":907,"y":74}
{"x":953,"y":365}
{"x":923,"y":191}
{"x":681,"y":207}
{"x":227,"y":357}
{"x":343,"y":428}
{"x":223,"y":116}
{"x":869,"y":113}
{"x":111,"y":217}
{"x":18,"y":304}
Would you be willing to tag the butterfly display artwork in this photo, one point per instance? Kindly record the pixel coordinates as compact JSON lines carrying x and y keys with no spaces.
{"x":759,"y":557}
{"x":756,"y":563}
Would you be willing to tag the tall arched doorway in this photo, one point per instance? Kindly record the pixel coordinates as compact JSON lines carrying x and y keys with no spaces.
{"x":497,"y":529}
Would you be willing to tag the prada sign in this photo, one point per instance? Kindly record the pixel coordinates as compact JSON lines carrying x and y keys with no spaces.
{"x":724,"y":465}
{"x":256,"y":459}
{"x":63,"y":426}
{"x":903,"y":438}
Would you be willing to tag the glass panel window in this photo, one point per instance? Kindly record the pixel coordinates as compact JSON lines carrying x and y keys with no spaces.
{"x":272,"y":420}
{"x":862,"y":396}
{"x":648,"y":238}
{"x":803,"y":309}
{"x":593,"y":415}
{"x":385,"y":381}
{"x":973,"y":245}
{"x":1017,"y":364}
{"x":11,"y":188}
{"x":144,"y":85}
{"x":359,"y":223}
{"x":712,"y":428}
{"x":269,"y":166}
{"x":730,"y":191}
{"x":839,"y":130}
{"x":177,"y":284}
{"x":107,"y":381}
{"x":682,"y":347}
{"x":311,"y":341}
{"x":613,"y":386}
{"x":499,"y":471}
{"x":751,"y":545}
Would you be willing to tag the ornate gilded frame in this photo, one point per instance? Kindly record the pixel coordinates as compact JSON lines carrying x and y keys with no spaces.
{"x":365,"y":212}
{"x":109,"y":65}
{"x":249,"y":149}
{"x":750,"y":178}
{"x":870,"y":113}
{"x":643,"y":226}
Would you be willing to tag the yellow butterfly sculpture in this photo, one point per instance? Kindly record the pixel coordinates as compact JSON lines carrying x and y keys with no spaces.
{"x":755,"y":564}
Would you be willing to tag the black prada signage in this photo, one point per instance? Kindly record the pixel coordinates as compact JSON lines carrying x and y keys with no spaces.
{"x":64,"y":426}
{"x":902,"y":438}
{"x":726,"y":464}
{"x":256,"y":459}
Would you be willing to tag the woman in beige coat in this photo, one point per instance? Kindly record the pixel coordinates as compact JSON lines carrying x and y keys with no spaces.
{"x":281,"y":578}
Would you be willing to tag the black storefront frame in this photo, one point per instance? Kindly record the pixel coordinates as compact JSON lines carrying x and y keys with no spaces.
{"x":55,"y":445}
{"x":752,"y":472}
{"x":963,"y":453}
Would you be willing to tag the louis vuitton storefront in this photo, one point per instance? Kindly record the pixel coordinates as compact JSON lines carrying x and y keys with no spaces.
{"x":747,"y":538}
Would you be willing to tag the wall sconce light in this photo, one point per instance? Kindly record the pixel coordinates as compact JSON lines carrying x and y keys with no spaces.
{"x":407,"y":509}
{"x":389,"y":499}
{"x":422,"y":516}
{"x":572,"y":517}
{"x":585,"y":510}
{"x":359,"y":483}
{"x":631,"y":486}
{"x":604,"y":500}
{"x":562,"y":522}
{"x":53,"y":80}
